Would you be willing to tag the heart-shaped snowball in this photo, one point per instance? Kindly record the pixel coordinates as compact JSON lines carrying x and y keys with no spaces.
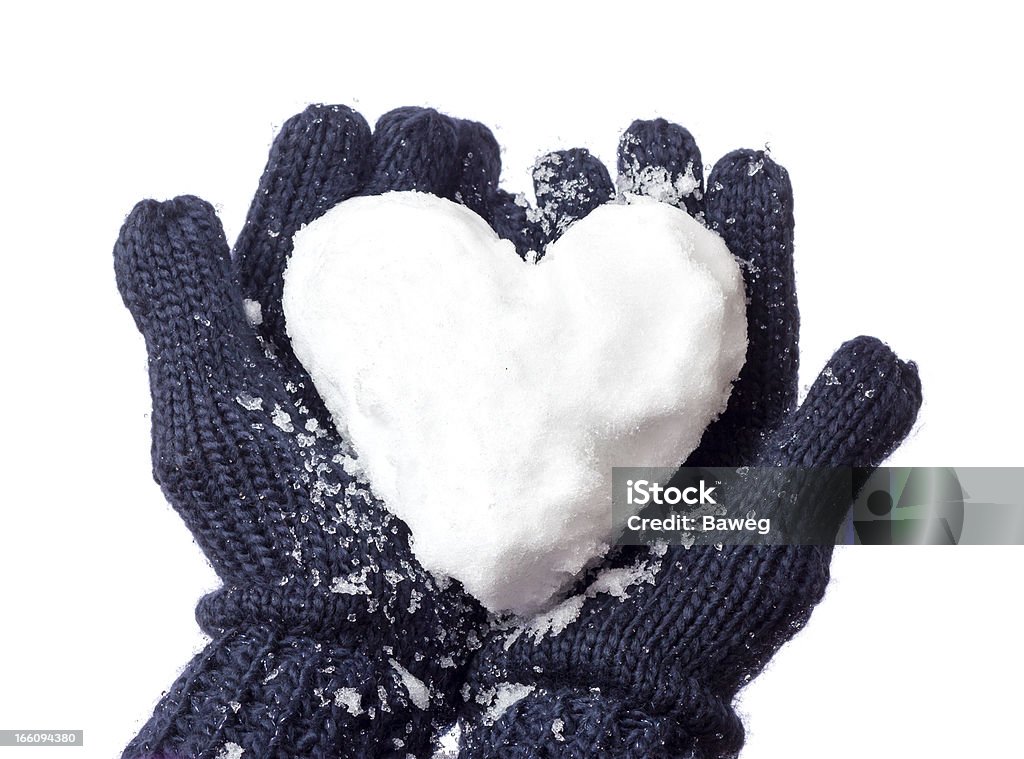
{"x":487,"y":399}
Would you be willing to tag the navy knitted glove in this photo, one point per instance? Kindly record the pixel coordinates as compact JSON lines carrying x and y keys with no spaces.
{"x":654,"y":674}
{"x":328,"y":638}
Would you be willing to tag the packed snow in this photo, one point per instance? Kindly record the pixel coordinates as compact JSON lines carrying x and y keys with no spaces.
{"x":487,"y":399}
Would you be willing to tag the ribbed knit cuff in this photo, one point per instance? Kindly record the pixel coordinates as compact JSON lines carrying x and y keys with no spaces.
{"x":512,"y":720}
{"x":258,"y":692}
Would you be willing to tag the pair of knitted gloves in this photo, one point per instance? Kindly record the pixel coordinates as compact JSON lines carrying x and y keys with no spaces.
{"x":328,"y":638}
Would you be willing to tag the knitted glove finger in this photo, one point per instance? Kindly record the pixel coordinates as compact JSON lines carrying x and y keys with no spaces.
{"x":174,"y":272}
{"x":855,"y":422}
{"x":414,"y":149}
{"x":477,"y":188}
{"x":749,"y":203}
{"x":863,"y":403}
{"x":318,"y":159}
{"x":661,"y":160}
{"x":480,"y":157}
{"x":568,"y":184}
{"x":512,"y":219}
{"x":860,"y":407}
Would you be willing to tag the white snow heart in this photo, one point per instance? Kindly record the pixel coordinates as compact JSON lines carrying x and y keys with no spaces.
{"x":487,"y":399}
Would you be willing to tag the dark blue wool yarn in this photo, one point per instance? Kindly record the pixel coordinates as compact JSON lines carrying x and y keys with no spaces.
{"x":324,"y":615}
{"x":654,"y":675}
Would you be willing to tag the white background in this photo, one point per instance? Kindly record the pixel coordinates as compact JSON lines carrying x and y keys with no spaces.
{"x":902,"y":132}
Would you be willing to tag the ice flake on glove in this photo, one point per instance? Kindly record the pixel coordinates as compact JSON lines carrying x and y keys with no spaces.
{"x":613,"y":581}
{"x":557,"y":726}
{"x":231,"y":751}
{"x":253,"y":312}
{"x":657,"y":182}
{"x":501,"y":698}
{"x":558,"y":191}
{"x":418,"y":692}
{"x":350,"y":699}
{"x":487,"y":400}
{"x":352,"y":585}
{"x":448,"y":743}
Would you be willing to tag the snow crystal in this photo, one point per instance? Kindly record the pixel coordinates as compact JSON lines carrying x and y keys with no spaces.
{"x":552,"y":621}
{"x":414,"y":600}
{"x":553,"y":196}
{"x":557,"y":726}
{"x":501,"y":698}
{"x":617,"y":582}
{"x":350,"y":699}
{"x":419,"y":694}
{"x":656,"y":182}
{"x":448,"y":743}
{"x":253,"y":311}
{"x":231,"y":751}
{"x":353,"y":585}
{"x":488,"y":400}
{"x":282,"y":419}
{"x":351,"y":466}
{"x":249,"y":401}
